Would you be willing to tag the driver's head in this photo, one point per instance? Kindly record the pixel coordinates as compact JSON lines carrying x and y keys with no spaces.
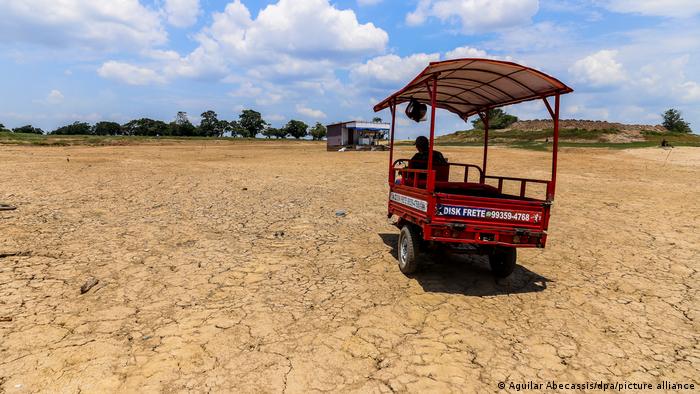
{"x":422,"y":144}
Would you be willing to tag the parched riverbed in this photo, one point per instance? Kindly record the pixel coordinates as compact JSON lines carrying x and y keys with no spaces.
{"x":224,"y":267}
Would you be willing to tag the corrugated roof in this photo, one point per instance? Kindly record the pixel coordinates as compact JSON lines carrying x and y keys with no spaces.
{"x":469,"y":86}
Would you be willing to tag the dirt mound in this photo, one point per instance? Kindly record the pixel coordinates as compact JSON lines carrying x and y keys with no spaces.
{"x":540,"y":124}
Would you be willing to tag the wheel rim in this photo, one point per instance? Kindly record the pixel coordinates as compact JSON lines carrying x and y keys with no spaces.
{"x":403,"y":251}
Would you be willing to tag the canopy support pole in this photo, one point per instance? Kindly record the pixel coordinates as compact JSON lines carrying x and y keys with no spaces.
{"x":392,"y":173}
{"x":485,"y":119}
{"x":433,"y":104}
{"x":555,"y":145}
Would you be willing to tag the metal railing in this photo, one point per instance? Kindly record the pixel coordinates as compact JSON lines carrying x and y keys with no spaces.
{"x":523,"y":182}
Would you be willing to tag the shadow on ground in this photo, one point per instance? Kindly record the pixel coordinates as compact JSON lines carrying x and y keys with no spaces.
{"x":468,"y":275}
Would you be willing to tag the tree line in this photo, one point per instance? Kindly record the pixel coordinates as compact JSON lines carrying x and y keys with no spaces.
{"x":249,"y":124}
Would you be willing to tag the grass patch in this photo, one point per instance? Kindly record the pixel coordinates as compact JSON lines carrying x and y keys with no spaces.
{"x":8,"y":138}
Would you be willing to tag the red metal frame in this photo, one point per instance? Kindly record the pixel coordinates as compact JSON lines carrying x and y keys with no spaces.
{"x":470,"y":212}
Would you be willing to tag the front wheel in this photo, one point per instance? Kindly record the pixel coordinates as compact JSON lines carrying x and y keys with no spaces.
{"x":409,"y":239}
{"x":502,"y":261}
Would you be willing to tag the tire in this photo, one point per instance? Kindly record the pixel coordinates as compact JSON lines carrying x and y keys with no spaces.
{"x":502,"y":261}
{"x":408,"y":249}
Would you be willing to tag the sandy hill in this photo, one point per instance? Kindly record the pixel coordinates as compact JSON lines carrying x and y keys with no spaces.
{"x":574,"y":131}
{"x":541,"y":124}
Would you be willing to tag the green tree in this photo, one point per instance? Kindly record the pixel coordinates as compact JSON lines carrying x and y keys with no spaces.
{"x":211,"y":126}
{"x":673,"y":121}
{"x":275,"y":132}
{"x":222,"y":127}
{"x":251,"y":122}
{"x":182,"y":126}
{"x":269,"y":132}
{"x":77,"y":128}
{"x":145,"y":126}
{"x":2,"y":128}
{"x":318,"y":132}
{"x":376,"y":119}
{"x":281,"y":133}
{"x":28,"y":129}
{"x":234,"y":127}
{"x":296,"y":128}
{"x":106,"y":128}
{"x":498,"y":119}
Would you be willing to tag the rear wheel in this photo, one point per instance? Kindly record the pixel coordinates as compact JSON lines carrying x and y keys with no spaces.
{"x":408,"y":249}
{"x":502,"y":261}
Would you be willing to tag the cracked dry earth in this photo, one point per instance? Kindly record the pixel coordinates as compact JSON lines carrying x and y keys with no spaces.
{"x":223,"y":267}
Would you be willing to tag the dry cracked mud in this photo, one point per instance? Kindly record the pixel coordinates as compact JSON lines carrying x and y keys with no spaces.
{"x":224,"y":267}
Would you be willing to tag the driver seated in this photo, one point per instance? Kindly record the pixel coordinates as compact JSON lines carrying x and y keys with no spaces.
{"x":419,"y":161}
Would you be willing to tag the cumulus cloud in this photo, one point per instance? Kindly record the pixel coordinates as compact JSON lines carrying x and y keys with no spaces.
{"x":54,"y":97}
{"x":309,"y":112}
{"x":462,"y":52}
{"x":390,"y":70}
{"x":466,"y":51}
{"x":182,"y":13}
{"x":289,"y":40}
{"x":599,"y":69}
{"x":689,"y":91}
{"x":130,"y":74}
{"x":475,"y":16}
{"x":312,"y":29}
{"x":81,"y":23}
{"x":666,"y":8}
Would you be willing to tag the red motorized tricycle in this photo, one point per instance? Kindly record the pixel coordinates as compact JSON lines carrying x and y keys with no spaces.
{"x":462,"y":206}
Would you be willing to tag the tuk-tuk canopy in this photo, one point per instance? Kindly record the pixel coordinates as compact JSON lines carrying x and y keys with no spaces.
{"x":469,"y":86}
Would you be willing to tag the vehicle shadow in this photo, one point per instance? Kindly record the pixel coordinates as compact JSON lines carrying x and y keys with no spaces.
{"x":468,"y":275}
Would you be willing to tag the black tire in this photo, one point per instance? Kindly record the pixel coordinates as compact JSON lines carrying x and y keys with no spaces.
{"x":502,"y":261}
{"x":408,"y":249}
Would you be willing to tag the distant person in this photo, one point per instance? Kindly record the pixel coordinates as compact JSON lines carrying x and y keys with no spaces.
{"x":419,"y":161}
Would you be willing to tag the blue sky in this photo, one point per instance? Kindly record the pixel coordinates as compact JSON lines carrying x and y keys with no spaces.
{"x":327,"y":61}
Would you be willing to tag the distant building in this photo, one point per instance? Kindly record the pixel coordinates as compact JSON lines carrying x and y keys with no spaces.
{"x":356,"y":135}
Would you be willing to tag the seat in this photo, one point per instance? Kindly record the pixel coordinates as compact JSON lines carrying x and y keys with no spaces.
{"x":442,"y":173}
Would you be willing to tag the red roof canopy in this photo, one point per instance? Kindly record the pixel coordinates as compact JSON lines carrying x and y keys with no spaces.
{"x":469,"y":86}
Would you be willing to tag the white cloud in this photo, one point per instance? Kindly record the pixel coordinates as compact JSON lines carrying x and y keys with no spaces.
{"x":666,"y":8}
{"x":289,"y":40}
{"x":463,"y":52}
{"x":130,"y":74}
{"x":302,"y":29}
{"x":274,"y":117}
{"x":475,"y":15}
{"x":420,"y":14}
{"x":54,"y":97}
{"x":182,"y":13}
{"x":206,"y":61}
{"x":537,"y":36}
{"x":690,"y":91}
{"x":392,"y":69}
{"x":466,"y":52}
{"x":599,"y":69}
{"x":309,"y":112}
{"x":81,"y":23}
